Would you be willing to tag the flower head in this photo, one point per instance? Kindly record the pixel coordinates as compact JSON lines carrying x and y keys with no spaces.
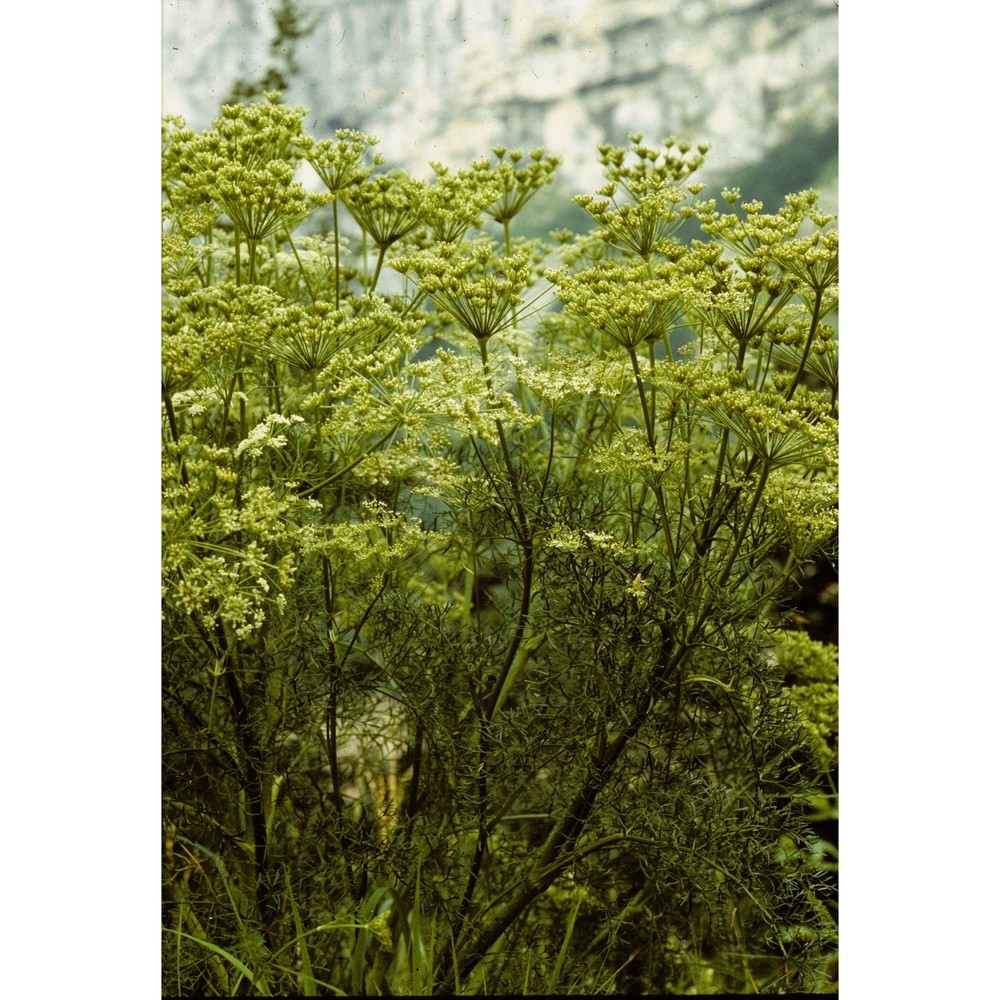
{"x":386,"y":206}
{"x":472,"y":282}
{"x":625,"y":300}
{"x":519,"y":180}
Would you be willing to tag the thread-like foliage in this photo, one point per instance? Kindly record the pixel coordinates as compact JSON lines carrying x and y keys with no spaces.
{"x":480,"y":672}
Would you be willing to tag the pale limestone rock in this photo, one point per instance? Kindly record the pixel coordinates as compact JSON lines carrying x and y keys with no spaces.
{"x":449,"y":79}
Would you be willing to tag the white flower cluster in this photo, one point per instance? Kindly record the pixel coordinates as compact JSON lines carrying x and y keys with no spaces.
{"x":806,"y":511}
{"x":639,"y":587}
{"x":383,"y":539}
{"x":593,"y":544}
{"x":569,"y":377}
{"x":263,"y":435}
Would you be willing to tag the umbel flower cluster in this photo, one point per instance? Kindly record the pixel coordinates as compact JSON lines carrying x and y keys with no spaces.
{"x":481,"y":555}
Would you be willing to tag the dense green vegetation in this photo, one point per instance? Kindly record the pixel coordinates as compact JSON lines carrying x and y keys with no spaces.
{"x":480,"y":662}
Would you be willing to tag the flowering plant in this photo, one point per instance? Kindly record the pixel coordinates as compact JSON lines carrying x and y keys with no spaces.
{"x":480,"y":651}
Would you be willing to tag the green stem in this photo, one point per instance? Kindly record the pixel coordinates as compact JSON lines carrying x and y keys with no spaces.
{"x":341,"y":473}
{"x":252,"y":780}
{"x":336,"y":255}
{"x":524,"y":539}
{"x":560,"y":848}
{"x":506,"y":248}
{"x":652,"y":387}
{"x":745,"y":526}
{"x":713,"y":520}
{"x":378,"y":268}
{"x":523,"y":531}
{"x":552,"y":448}
{"x":302,"y":270}
{"x":333,"y":676}
{"x":211,"y":257}
{"x":482,"y":836}
{"x":243,"y":434}
{"x":647,"y":417}
{"x":711,"y":523}
{"x":813,"y":327}
{"x":252,"y":244}
{"x":413,"y":799}
{"x":272,"y":369}
{"x":172,"y":422}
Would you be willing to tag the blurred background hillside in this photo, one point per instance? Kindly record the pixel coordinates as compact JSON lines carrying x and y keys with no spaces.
{"x":447,"y":80}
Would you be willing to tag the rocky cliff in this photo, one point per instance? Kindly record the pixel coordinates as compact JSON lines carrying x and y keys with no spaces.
{"x":449,"y":79}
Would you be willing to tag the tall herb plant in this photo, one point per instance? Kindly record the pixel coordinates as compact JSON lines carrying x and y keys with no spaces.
{"x":477,"y":592}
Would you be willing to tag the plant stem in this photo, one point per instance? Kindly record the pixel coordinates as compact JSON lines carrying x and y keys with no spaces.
{"x":336,"y":254}
{"x":741,"y":534}
{"x":813,"y":327}
{"x":252,"y":244}
{"x":378,"y":268}
{"x":333,"y":676}
{"x":302,"y":270}
{"x":524,"y":539}
{"x":647,"y":417}
{"x":252,"y":778}
{"x":172,"y":423}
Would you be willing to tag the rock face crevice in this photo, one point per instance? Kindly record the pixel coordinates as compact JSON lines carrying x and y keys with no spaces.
{"x":449,"y":79}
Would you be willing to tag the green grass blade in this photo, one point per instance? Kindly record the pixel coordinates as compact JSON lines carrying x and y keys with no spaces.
{"x":335,"y":990}
{"x":232,"y":959}
{"x":564,"y":950}
{"x":421,"y":956}
{"x":308,"y":983}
